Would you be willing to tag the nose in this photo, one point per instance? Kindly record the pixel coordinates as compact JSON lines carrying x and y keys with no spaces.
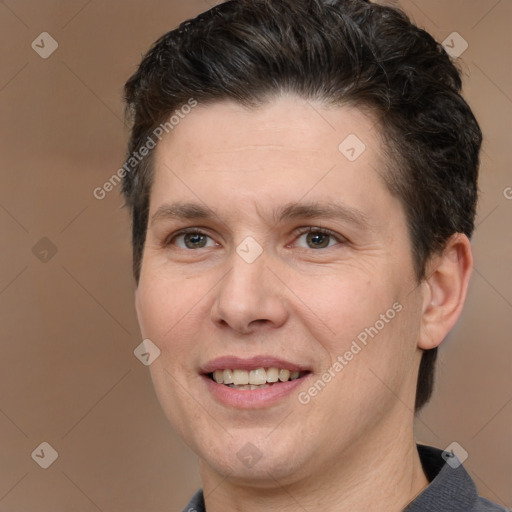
{"x":250,"y":297}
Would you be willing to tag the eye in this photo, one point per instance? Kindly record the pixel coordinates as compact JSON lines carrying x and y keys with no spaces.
{"x":190,"y":239}
{"x":320,"y":238}
{"x":315,"y":238}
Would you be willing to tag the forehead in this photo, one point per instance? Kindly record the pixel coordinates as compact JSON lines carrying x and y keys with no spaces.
{"x":291,"y":125}
{"x":233,"y":158}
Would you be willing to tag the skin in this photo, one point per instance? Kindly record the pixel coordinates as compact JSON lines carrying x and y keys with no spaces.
{"x":352,"y":446}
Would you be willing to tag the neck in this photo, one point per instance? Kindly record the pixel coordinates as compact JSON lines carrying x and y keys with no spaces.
{"x":384,"y":475}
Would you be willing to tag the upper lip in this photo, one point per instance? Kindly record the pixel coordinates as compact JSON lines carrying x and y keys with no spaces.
{"x":251,"y":363}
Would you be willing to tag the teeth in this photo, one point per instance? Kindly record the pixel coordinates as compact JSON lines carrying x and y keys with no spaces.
{"x":284,"y":375}
{"x":259,"y":378}
{"x":240,"y":377}
{"x":248,"y":386}
{"x":272,"y":375}
{"x":227,"y":376}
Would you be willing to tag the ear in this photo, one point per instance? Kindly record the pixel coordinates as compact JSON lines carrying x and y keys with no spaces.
{"x":444,"y":290}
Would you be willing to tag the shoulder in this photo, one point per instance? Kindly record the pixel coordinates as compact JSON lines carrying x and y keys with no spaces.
{"x":484,"y":505}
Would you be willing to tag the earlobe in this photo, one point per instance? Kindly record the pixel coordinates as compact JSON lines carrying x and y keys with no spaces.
{"x":444,"y":290}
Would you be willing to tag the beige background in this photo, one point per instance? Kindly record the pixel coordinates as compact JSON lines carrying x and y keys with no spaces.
{"x":68,"y":328}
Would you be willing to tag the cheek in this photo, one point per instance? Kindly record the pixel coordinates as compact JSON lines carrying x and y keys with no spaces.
{"x":338,"y":308}
{"x":162,"y":301}
{"x":151,"y":303}
{"x":164,"y":306}
{"x":369,"y":322}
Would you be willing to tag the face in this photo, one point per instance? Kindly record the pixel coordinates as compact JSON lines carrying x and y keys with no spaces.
{"x":295,"y":258}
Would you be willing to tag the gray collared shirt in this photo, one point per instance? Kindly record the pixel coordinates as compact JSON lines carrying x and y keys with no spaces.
{"x":450,"y":488}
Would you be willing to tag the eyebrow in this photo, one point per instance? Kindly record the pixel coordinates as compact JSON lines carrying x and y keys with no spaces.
{"x":289,"y":211}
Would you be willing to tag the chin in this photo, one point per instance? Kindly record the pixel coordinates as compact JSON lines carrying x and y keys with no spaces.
{"x":254,"y":456}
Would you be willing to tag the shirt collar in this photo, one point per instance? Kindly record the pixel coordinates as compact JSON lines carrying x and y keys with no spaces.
{"x":450,"y":487}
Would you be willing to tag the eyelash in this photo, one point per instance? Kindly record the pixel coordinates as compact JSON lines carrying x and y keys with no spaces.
{"x":300,"y":231}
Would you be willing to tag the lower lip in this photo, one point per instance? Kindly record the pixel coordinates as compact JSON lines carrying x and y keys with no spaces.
{"x":252,"y":398}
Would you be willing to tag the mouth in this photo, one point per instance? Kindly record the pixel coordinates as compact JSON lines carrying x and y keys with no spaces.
{"x":259,"y":378}
{"x":254,"y":383}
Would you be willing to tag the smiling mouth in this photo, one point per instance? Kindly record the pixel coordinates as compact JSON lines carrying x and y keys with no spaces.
{"x":258,"y":378}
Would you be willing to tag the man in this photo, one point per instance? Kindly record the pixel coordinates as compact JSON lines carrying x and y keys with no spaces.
{"x":303,"y":187}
